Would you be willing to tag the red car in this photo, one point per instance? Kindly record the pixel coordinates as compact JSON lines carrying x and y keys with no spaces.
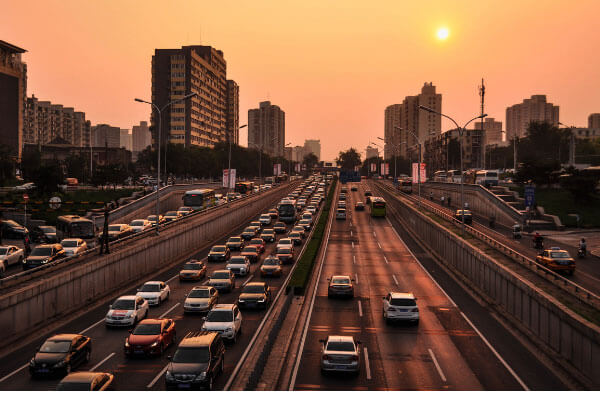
{"x":150,"y":337}
{"x":251,"y":252}
{"x":259,"y":244}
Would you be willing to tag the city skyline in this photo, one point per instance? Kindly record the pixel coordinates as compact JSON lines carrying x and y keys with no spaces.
{"x":317,"y":96}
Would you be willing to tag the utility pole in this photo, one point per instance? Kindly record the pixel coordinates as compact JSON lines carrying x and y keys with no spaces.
{"x":482,"y":96}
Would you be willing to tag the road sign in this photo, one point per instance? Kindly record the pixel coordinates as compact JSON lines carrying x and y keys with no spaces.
{"x":25,"y":197}
{"x":54,"y":203}
{"x":529,"y":196}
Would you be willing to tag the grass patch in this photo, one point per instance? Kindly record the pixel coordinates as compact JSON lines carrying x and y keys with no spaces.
{"x":306,"y":263}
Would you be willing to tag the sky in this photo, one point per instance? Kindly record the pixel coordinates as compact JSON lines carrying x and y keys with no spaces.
{"x":332,"y":66}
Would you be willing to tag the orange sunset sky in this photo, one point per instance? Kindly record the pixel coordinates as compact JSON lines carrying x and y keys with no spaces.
{"x":332,"y":66}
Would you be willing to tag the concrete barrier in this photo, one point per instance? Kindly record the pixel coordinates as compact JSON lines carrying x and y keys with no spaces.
{"x":569,"y":339}
{"x":35,"y":304}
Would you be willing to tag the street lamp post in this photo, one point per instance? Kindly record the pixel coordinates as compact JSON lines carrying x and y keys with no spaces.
{"x":159,"y":111}
{"x":229,"y":162}
{"x":571,"y":144}
{"x":420,"y":162}
{"x":289,"y":162}
{"x":462,"y":178}
{"x":395,"y":156}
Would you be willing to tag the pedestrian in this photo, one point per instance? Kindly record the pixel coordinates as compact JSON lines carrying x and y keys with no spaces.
{"x":443,"y":200}
{"x":26,"y":245}
{"x":104,"y":236}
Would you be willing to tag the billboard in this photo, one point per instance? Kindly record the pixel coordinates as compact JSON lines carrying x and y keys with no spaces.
{"x":226,"y":180}
{"x":416,"y":175}
{"x":373,"y":167}
{"x":276,"y":169}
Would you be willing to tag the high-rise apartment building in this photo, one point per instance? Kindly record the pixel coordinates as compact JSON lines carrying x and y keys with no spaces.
{"x":402,"y":121}
{"x":140,"y":137}
{"x":13,"y":97}
{"x":371,"y":152}
{"x":104,"y":135}
{"x":298,"y":153}
{"x":313,"y":146}
{"x":266,"y":129}
{"x":46,"y":123}
{"x":519,"y":116}
{"x":232,"y":125}
{"x":126,"y":141}
{"x":492,"y":130}
{"x":200,"y":120}
{"x":594,"y":121}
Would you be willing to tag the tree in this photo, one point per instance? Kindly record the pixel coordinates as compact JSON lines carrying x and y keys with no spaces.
{"x":348,"y":159}
{"x":48,"y":177}
{"x":582,"y":185}
{"x":541,"y":152}
{"x":310,"y":160}
{"x":7,"y":165}
{"x":76,"y":166}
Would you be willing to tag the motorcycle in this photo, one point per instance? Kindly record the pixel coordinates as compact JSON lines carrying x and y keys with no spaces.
{"x":581,"y":253}
{"x":517,"y":232}
{"x":538,"y":243}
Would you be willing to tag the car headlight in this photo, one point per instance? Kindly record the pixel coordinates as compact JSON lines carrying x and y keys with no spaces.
{"x":126,"y":342}
{"x":44,"y":261}
{"x":60,"y":364}
{"x":261,"y":300}
{"x":155,"y":344}
{"x":200,"y":377}
{"x":241,"y":300}
{"x":24,"y":261}
{"x":169,"y":376}
{"x":32,"y":362}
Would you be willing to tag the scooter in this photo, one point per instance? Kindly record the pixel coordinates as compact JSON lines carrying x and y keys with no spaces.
{"x":538,"y":244}
{"x":581,"y":253}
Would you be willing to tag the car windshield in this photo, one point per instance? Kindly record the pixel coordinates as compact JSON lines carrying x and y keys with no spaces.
{"x":150,"y":287}
{"x":220,"y":316}
{"x":559,"y":254}
{"x":219,"y":249}
{"x":193,"y":266}
{"x":285,"y":241}
{"x":403,"y":302}
{"x":294,"y":235}
{"x":171,"y":214}
{"x":254,"y":289}
{"x":52,"y":346}
{"x":220,"y":275}
{"x":69,"y":243}
{"x":271,"y":261}
{"x":137,"y":222}
{"x":48,"y":229}
{"x":191,"y":355}
{"x":152,"y":218}
{"x":284,"y":250}
{"x":123,"y":304}
{"x":238,"y":260}
{"x":114,"y":228}
{"x":3,"y":250}
{"x":235,"y":240}
{"x":256,"y":241}
{"x":147,"y":329}
{"x":266,"y":216}
{"x":42,"y":252}
{"x":268,"y":232}
{"x":340,"y":346}
{"x":250,"y":249}
{"x":74,"y":386}
{"x":279,"y":224}
{"x":199,"y":294}
{"x":340,"y":281}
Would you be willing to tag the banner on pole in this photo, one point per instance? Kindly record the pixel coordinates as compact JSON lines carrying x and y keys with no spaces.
{"x":416,"y":175}
{"x":276,"y":169}
{"x":229,"y":182}
{"x":373,"y":167}
{"x":387,"y":168}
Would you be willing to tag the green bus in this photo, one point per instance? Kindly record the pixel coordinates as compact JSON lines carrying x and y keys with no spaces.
{"x":378,"y":207}
{"x":199,"y":199}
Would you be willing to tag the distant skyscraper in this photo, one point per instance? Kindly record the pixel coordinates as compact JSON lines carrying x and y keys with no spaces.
{"x":492,"y":130}
{"x":371,"y":152}
{"x":298,"y":153}
{"x":519,"y":116}
{"x":106,"y":136}
{"x":233,"y":111}
{"x":594,"y":121}
{"x":140,"y":137}
{"x":266,"y":129}
{"x":313,"y":146}
{"x":13,"y":97}
{"x":126,"y":139}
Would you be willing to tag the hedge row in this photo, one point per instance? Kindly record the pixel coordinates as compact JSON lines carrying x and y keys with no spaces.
{"x":305,"y":264}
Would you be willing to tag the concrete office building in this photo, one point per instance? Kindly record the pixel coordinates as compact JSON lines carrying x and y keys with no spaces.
{"x":202,"y":119}
{"x":266,"y":129}
{"x":371,"y":152}
{"x":492,"y":130}
{"x":438,"y":152}
{"x":519,"y":116}
{"x":594,"y":121}
{"x":126,"y":140}
{"x":140,"y":137}
{"x":13,"y":97}
{"x":104,"y":135}
{"x":298,"y":153}
{"x":232,"y":125}
{"x":313,"y":146}
{"x":46,"y":122}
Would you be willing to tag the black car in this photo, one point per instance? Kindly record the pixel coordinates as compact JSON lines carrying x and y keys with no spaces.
{"x":199,"y":358}
{"x":219,"y":253}
{"x":43,"y":254}
{"x":44,"y":234}
{"x":359,"y":206}
{"x":12,"y":230}
{"x":268,"y":235}
{"x":467,"y":216}
{"x":255,"y":294}
{"x":249,"y":233}
{"x":60,"y":354}
{"x":280,"y":227}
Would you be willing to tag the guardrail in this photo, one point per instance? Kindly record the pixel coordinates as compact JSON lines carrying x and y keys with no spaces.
{"x":56,"y":265}
{"x":565,"y":284}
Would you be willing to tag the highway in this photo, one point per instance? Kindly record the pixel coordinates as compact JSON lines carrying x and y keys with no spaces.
{"x":444,"y":352}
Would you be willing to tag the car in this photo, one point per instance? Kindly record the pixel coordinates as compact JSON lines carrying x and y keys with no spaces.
{"x":222,"y":280}
{"x":140,"y":225}
{"x":225,"y":319}
{"x":340,"y":213}
{"x":296,"y":238}
{"x":60,"y":354}
{"x":342,"y":197}
{"x":257,"y":225}
{"x":285,"y":242}
{"x":239,"y":265}
{"x":43,"y":254}
{"x":341,"y":204}
{"x":12,"y":230}
{"x":219,"y":253}
{"x":368,"y":193}
{"x":25,"y":187}
{"x":235,"y":243}
{"x":155,"y":292}
{"x":193,"y":270}
{"x":285,"y":254}
{"x":299,"y":229}
{"x":467,"y":216}
{"x":259,"y":244}
{"x":354,"y":189}
{"x":255,"y":294}
{"x":273,"y":213}
{"x":126,"y":311}
{"x":150,"y":337}
{"x":308,"y":217}
{"x":556,"y":260}
{"x":153,"y":218}
{"x":359,"y":206}
{"x":119,"y":231}
{"x":10,"y":255}
{"x":74,"y":246}
{"x":305,"y":224}
{"x":185,"y":210}
{"x":172,"y":216}
{"x":271,"y":266}
{"x":280,"y":228}
{"x":251,"y":252}
{"x":340,"y":354}
{"x":198,"y":360}
{"x":201,"y":299}
{"x":86,"y":381}
{"x":268,"y":235}
{"x":340,"y":286}
{"x":265,"y":219}
{"x":312,"y":209}
{"x":249,"y":233}
{"x":398,"y":306}
{"x":44,"y":234}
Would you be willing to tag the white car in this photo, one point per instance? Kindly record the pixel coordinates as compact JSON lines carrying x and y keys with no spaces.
{"x":340,"y":353}
{"x":265,"y":219}
{"x":399,"y":306}
{"x":155,"y":292}
{"x":284,"y":242}
{"x":340,"y":213}
{"x":127,"y":311}
{"x":239,"y":265}
{"x":10,"y":255}
{"x":140,"y":225}
{"x":73,"y":246}
{"x":225,"y":319}
{"x":201,"y":299}
{"x":312,"y":209}
{"x":185,"y":210}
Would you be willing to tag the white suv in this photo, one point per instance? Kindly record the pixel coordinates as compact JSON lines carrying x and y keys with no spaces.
{"x":239,"y":265}
{"x":155,"y":292}
{"x":225,"y":319}
{"x":127,"y":311}
{"x":340,"y":353}
{"x":399,"y":306}
{"x":265,"y":219}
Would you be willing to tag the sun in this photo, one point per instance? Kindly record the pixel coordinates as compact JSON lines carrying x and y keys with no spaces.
{"x":443,"y":33}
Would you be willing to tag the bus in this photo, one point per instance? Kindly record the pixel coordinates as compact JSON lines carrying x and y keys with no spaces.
{"x":439,"y":176}
{"x":378,"y":207}
{"x":244,"y":187}
{"x":74,"y":226}
{"x":287,"y":211}
{"x":486,"y":178}
{"x":405,"y":186}
{"x":199,"y":199}
{"x":453,"y":176}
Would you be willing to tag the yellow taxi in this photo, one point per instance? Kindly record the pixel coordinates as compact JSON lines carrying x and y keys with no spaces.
{"x":557,"y":260}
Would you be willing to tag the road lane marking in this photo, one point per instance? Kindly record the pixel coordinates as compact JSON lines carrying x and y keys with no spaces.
{"x":360,"y":309}
{"x":367,"y":367}
{"x":378,"y":245}
{"x":374,"y":234}
{"x":16,"y":371}
{"x":171,"y":278}
{"x":101,"y":362}
{"x":352,"y":244}
{"x":248,"y":280}
{"x":91,"y":326}
{"x":386,"y":260}
{"x":513,"y":373}
{"x":356,"y":278}
{"x":437,"y":365}
{"x":169,"y":310}
{"x":395,"y":280}
{"x":350,"y":233}
{"x":157,"y":377}
{"x":354,"y":259}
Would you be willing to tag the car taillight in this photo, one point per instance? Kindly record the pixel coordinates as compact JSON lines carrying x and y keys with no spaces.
{"x":354,"y":358}
{"x":415,"y":310}
{"x":325,"y":357}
